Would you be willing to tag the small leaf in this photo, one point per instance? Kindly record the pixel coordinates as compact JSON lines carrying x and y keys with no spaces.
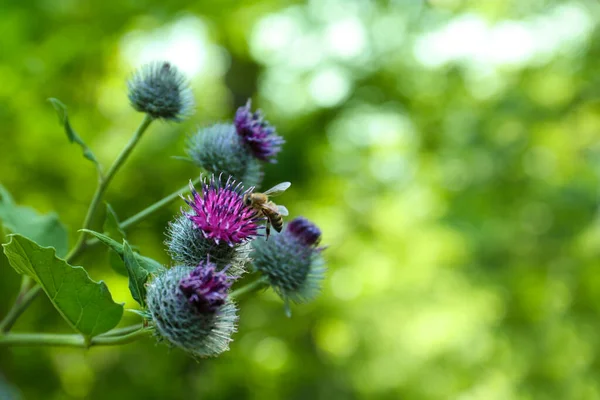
{"x":112,"y":228}
{"x":148,"y":264}
{"x":47,"y":230}
{"x":63,"y":118}
{"x":137,"y":275}
{"x":85,"y":304}
{"x":142,"y":313}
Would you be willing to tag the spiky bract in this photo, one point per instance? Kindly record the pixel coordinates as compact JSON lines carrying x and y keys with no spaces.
{"x":291,"y":261}
{"x":161,"y":91}
{"x":188,"y":246}
{"x":181,"y":323}
{"x":218,"y":149}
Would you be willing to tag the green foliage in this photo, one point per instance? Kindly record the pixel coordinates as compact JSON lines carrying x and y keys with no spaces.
{"x":47,"y":230}
{"x":458,"y":195}
{"x":85,"y":304}
{"x":138,"y":274}
{"x":146,"y":264}
{"x":63,"y":119}
{"x":113,"y":229}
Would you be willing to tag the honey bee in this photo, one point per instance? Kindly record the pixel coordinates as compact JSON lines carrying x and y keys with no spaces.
{"x":263,"y":206}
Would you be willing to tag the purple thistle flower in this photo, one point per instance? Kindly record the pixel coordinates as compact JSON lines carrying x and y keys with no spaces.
{"x":205,"y":287}
{"x":258,"y":134}
{"x":304,"y":231}
{"x":220,"y":213}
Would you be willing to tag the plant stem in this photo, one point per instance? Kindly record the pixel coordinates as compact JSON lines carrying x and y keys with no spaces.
{"x":26,"y":295}
{"x":251,"y":287}
{"x":103,"y":185}
{"x":156,"y":206}
{"x":122,"y":331}
{"x":24,"y":298}
{"x":50,"y":339}
{"x":148,"y":211}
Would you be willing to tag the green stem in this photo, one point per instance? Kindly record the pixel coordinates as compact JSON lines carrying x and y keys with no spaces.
{"x":122,"y":331}
{"x":24,"y":298}
{"x":251,"y":287}
{"x":148,"y":211}
{"x":103,"y":185}
{"x":50,"y":339}
{"x":156,"y":206}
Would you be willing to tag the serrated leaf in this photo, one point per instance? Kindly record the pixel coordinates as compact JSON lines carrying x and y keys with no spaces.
{"x":85,"y":304}
{"x":138,"y":276}
{"x":63,"y":118}
{"x":46,"y":230}
{"x":112,"y":229}
{"x":147,"y":263}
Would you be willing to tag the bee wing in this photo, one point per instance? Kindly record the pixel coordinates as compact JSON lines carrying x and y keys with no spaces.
{"x":282,"y":210}
{"x":278,"y":189}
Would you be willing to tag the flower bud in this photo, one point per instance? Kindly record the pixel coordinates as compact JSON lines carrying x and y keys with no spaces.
{"x":291,"y":261}
{"x":258,"y":134}
{"x":161,"y":91}
{"x":219,"y":149}
{"x":190,"y":309}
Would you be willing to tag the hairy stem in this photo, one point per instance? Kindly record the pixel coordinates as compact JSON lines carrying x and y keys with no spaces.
{"x":251,"y":287}
{"x":103,"y":185}
{"x":50,"y":339}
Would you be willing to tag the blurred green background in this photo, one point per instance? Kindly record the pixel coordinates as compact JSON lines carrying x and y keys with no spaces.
{"x":448,"y":149}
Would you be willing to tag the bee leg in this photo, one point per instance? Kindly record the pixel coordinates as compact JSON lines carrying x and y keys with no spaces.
{"x":268,"y":229}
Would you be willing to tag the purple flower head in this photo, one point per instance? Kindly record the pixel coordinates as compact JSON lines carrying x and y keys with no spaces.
{"x":220,"y":212}
{"x":304,"y":231}
{"x":205,"y":287}
{"x":257,"y":133}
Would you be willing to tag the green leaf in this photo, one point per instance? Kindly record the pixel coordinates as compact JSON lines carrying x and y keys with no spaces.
{"x":116,"y":262}
{"x":63,"y":118}
{"x":47,"y":230}
{"x":142,"y":313}
{"x":113,"y":229}
{"x":138,"y":276}
{"x":148,"y":264}
{"x":85,"y":304}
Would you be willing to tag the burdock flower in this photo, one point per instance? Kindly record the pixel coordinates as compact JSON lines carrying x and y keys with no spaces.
{"x":257,"y":133}
{"x":218,"y":225}
{"x":161,"y":91}
{"x":220,"y":212}
{"x":205,"y":288}
{"x":219,"y":149}
{"x":292,"y":261}
{"x":190,"y":309}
